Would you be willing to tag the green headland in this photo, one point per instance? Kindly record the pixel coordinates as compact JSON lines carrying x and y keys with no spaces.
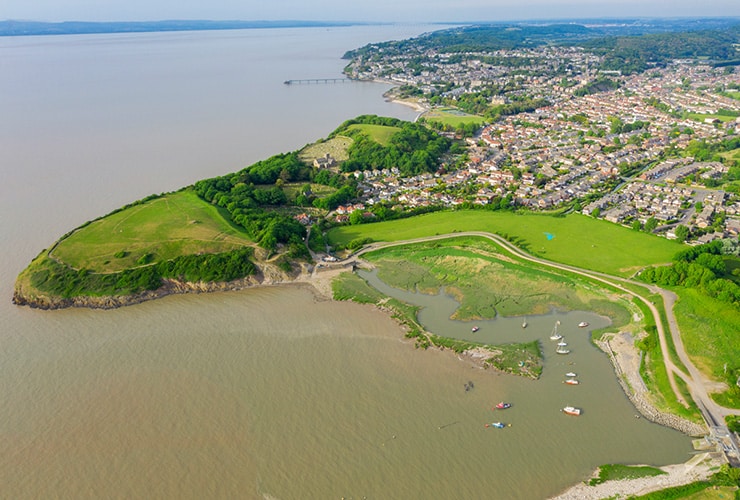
{"x":280,"y":221}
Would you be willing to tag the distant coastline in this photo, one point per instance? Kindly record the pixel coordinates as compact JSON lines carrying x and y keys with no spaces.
{"x":31,"y":28}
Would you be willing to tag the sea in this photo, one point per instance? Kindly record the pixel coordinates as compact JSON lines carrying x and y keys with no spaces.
{"x":268,"y":393}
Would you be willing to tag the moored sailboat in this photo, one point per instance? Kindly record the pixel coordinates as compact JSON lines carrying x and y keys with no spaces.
{"x":555,"y":335}
{"x":562,"y":347}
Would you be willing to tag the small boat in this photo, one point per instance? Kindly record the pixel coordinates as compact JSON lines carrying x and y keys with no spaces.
{"x":572,"y":381}
{"x":502,"y":406}
{"x":571,"y":374}
{"x":497,"y":425}
{"x":571,"y":410}
{"x":555,"y":335}
{"x":561,"y":349}
{"x":582,"y":324}
{"x":524,"y":324}
{"x":475,"y":329}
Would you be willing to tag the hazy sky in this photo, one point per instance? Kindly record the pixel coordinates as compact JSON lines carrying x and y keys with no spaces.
{"x":357,"y":10}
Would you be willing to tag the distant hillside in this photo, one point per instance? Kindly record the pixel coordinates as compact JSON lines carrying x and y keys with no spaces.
{"x":637,"y":53}
{"x":629,"y":46}
{"x":22,"y":28}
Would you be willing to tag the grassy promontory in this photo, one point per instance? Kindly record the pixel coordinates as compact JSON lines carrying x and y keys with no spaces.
{"x":159,"y":245}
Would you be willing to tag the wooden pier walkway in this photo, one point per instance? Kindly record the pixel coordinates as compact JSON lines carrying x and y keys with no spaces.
{"x":318,"y":80}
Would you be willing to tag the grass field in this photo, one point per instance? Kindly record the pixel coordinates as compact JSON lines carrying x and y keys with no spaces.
{"x":452,"y":117}
{"x":337,"y":147}
{"x":701,"y":117}
{"x":379,"y":133}
{"x":576,"y":239}
{"x":160,"y":229}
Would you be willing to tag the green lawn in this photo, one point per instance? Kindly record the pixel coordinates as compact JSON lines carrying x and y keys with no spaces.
{"x":452,"y":117}
{"x":379,"y":133}
{"x":160,"y":229}
{"x":575,"y":239}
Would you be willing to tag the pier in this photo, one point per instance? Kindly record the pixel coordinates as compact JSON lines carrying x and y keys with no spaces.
{"x":318,"y":80}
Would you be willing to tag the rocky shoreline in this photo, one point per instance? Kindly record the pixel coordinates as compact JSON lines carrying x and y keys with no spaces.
{"x":264,"y":276}
{"x":626,"y":361}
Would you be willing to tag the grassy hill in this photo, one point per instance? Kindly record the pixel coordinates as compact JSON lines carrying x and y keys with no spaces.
{"x":379,"y":133}
{"x":160,"y":229}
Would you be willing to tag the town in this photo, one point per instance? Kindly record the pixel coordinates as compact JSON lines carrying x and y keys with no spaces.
{"x":634,"y":149}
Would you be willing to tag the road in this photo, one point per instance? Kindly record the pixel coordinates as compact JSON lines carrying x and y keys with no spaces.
{"x":697,"y":383}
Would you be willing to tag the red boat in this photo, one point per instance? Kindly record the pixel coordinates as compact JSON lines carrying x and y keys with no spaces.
{"x":502,"y":406}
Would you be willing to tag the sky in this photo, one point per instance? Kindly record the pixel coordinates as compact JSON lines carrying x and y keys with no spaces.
{"x":413,"y":11}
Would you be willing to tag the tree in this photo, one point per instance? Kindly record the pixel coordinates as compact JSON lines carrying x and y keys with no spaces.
{"x":596,"y":212}
{"x":615,"y":124}
{"x":682,"y":232}
{"x":356,"y":217}
{"x":636,"y":225}
{"x":651,"y":224}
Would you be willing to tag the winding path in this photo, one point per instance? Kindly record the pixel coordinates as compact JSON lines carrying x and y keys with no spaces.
{"x":697,"y":383}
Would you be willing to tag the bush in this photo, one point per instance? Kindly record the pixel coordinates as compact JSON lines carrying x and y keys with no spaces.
{"x":358,"y":242}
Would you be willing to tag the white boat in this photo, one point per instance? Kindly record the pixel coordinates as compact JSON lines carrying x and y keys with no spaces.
{"x":571,"y":374}
{"x":562,"y":347}
{"x":582,"y":324}
{"x":572,"y":381}
{"x":571,"y":410}
{"x":524,"y":324}
{"x":555,"y":335}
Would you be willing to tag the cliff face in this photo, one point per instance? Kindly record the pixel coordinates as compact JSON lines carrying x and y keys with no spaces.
{"x":266,"y":275}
